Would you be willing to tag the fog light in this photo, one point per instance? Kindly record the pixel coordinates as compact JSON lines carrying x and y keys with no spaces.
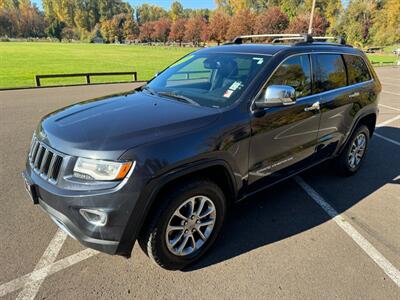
{"x":94,"y":216}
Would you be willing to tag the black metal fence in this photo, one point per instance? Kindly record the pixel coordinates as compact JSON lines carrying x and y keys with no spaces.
{"x":87,"y":75}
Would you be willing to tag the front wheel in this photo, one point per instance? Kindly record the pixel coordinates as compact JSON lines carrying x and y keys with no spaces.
{"x":185,"y":225}
{"x":353,"y":154}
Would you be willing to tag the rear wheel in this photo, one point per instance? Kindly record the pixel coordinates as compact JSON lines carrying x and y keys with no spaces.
{"x":185,"y":225}
{"x":351,"y":158}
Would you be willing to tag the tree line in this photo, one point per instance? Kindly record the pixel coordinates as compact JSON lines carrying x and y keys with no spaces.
{"x":361,"y":22}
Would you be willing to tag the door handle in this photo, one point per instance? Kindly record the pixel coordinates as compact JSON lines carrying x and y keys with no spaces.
{"x":315,"y":106}
{"x":356,"y":94}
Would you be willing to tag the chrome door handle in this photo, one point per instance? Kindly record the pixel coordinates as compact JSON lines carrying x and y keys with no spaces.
{"x":315,"y":106}
{"x":356,"y":94}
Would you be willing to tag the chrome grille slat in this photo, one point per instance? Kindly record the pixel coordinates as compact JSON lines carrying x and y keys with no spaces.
{"x":47,"y":164}
{"x":51,"y":166}
{"x":33,"y":143}
{"x":34,"y":151}
{"x":38,"y":156}
{"x":44,"y":161}
{"x":57,"y":167}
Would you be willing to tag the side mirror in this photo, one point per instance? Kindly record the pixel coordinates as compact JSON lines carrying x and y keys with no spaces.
{"x":277,"y":95}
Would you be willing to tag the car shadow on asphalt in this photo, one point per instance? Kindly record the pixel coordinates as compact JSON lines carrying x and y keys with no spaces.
{"x":285,"y":210}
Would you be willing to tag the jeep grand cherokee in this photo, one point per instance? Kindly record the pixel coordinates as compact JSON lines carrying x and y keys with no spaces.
{"x":163,"y":163}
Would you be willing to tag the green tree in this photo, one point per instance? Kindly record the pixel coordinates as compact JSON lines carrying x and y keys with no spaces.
{"x":55,"y":29}
{"x":291,"y":7}
{"x":176,"y":11}
{"x":109,"y":8}
{"x":357,"y":21}
{"x":386,"y":27}
{"x":87,"y":14}
{"x":148,"y":13}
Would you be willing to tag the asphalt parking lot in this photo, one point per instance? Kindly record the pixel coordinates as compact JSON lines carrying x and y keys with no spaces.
{"x":316,"y":236}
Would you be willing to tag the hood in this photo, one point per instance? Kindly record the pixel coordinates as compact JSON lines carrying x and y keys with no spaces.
{"x":107,"y":127}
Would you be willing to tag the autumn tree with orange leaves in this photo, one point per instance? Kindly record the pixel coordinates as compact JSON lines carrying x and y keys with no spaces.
{"x":178,"y":30}
{"x":219,"y":26}
{"x":241,"y":23}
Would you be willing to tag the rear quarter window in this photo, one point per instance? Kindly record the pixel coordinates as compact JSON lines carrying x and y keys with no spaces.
{"x":357,"y":70}
{"x":329,"y":72}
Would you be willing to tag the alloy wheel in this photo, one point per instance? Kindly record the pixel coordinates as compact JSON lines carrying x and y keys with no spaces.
{"x":190,"y":225}
{"x":357,"y":150}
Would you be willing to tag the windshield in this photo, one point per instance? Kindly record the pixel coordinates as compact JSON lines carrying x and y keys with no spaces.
{"x":210,"y":79}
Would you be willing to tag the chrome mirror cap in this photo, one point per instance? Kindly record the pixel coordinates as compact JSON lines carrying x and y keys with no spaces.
{"x":277,"y":95}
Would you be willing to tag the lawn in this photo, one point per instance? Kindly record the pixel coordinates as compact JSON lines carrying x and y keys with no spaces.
{"x":386,"y":57}
{"x":19,"y":62}
{"x":377,"y":58}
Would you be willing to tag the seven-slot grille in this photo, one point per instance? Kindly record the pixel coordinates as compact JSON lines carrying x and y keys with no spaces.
{"x":44,"y":161}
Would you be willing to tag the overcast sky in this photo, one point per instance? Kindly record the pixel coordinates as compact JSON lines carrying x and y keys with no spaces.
{"x":164,"y":3}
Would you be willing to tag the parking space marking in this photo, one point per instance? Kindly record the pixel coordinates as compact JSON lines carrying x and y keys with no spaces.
{"x":390,"y":107}
{"x":387,"y":122}
{"x":46,"y":271}
{"x":367,"y":247}
{"x":32,"y":285}
{"x":391,"y":93}
{"x":387,"y":139}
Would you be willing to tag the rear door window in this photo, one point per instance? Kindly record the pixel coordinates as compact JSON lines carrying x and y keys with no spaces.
{"x":329,"y":72}
{"x":294,"y":72}
{"x":357,"y":70}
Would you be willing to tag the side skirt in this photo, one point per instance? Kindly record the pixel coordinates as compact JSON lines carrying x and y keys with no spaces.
{"x":282,"y":179}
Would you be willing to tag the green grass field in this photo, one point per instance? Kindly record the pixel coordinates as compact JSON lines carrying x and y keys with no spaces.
{"x":383,"y":58}
{"x":19,"y":62}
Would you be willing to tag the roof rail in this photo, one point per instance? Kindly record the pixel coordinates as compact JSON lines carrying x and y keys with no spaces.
{"x":239,"y":39}
{"x":303,"y":38}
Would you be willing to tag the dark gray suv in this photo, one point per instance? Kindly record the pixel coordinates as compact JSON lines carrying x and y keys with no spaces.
{"x":163,"y":163}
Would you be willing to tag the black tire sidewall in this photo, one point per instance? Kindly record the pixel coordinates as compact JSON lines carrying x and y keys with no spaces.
{"x":213,"y":192}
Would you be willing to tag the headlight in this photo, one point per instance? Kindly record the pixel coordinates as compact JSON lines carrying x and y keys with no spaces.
{"x":93,"y":169}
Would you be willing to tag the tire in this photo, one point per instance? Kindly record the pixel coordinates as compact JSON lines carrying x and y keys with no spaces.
{"x":158,"y":245}
{"x":344,"y":163}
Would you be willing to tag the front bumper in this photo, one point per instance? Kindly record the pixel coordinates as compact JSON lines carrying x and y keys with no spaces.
{"x":63,"y":208}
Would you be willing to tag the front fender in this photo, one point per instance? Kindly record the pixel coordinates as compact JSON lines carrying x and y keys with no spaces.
{"x":148,"y":198}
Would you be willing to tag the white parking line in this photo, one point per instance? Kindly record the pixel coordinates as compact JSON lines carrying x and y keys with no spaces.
{"x":390,"y":107}
{"x":387,"y":139}
{"x":367,"y":247}
{"x":391,"y":93}
{"x":384,"y":123}
{"x":48,"y":270}
{"x":32,"y":285}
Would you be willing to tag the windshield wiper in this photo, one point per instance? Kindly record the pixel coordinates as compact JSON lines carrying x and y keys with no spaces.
{"x":149,"y":89}
{"x":179,"y":97}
